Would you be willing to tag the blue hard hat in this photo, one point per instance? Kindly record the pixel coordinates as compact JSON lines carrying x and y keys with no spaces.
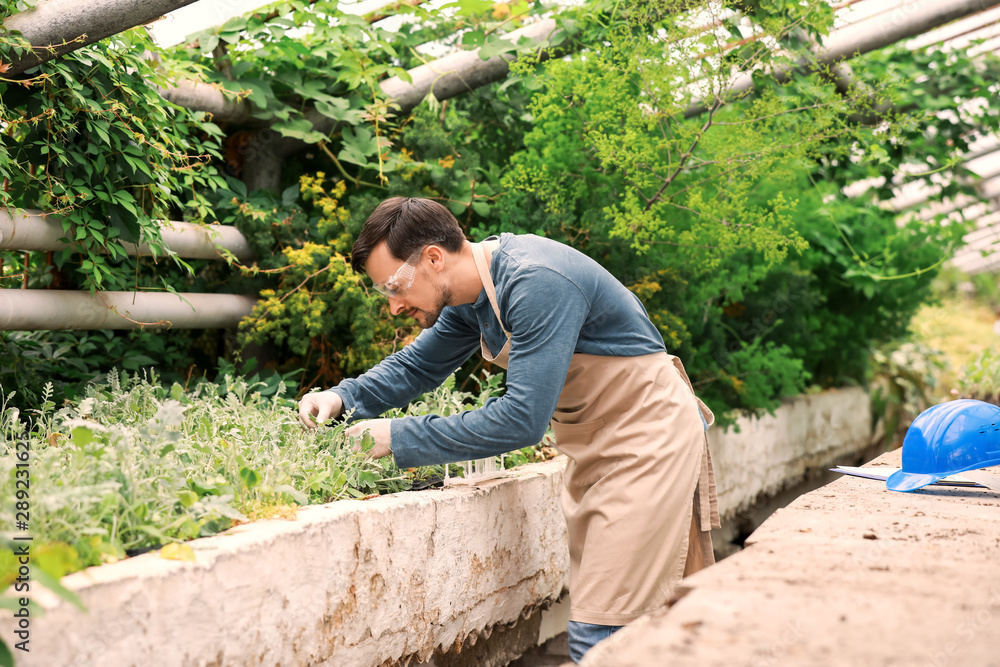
{"x":948,"y":439}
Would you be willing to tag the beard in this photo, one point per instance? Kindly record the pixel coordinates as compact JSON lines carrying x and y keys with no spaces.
{"x":429,"y":317}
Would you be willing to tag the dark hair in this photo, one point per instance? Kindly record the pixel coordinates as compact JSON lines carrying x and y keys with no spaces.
{"x":407,"y":224}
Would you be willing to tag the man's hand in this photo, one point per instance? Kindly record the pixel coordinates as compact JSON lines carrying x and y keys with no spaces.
{"x":379,"y":430}
{"x":322,"y":405}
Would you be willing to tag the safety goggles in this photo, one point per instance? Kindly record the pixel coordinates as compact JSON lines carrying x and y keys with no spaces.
{"x":398,"y":284}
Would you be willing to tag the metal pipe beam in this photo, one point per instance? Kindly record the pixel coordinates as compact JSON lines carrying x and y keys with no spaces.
{"x":917,"y":192}
{"x":983,"y":148}
{"x":906,"y":21}
{"x":989,"y":189}
{"x":969,"y":208}
{"x":947,"y":35}
{"x":460,"y":72}
{"x":989,"y":45}
{"x":56,"y":27}
{"x":203,"y":97}
{"x":974,"y":263}
{"x":33,"y":230}
{"x":30,"y":310}
{"x":985,"y":166}
{"x":985,"y":228}
{"x":988,"y":238}
{"x":446,"y":77}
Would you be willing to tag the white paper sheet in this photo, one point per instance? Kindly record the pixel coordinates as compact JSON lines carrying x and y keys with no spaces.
{"x":883,"y":474}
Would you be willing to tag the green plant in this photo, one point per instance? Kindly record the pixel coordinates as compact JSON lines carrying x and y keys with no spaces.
{"x":90,"y":138}
{"x":980,"y":378}
{"x":67,"y":360}
{"x":314,"y":312}
{"x":732,"y":225}
{"x":987,"y":289}
{"x":331,"y":73}
{"x":49,"y":563}
{"x":904,"y":378}
{"x":137,"y":464}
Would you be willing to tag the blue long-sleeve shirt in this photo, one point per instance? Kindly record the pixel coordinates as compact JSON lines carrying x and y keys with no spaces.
{"x":555,"y":301}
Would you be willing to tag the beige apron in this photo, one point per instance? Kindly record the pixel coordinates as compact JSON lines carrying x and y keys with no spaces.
{"x":639,"y":489}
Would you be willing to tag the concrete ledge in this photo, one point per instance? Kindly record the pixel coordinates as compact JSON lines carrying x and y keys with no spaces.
{"x":849,"y":574}
{"x":771,"y":453}
{"x":351,"y":583}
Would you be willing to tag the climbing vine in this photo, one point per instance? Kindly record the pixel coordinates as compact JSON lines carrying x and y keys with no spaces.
{"x":88,"y":137}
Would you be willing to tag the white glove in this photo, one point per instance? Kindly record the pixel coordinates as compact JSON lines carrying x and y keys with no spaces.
{"x":322,"y":405}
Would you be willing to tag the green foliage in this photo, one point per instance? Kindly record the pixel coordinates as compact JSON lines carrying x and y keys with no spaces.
{"x":10,"y":7}
{"x":91,"y":139}
{"x":330,"y":73}
{"x":620,"y":171}
{"x":50,"y":562}
{"x":137,"y":464}
{"x":314,"y":312}
{"x":980,"y":378}
{"x":754,"y":264}
{"x":66,"y":361}
{"x":986,"y":287}
{"x":904,"y":378}
{"x":333,"y":68}
{"x":928,"y":147}
{"x":861,"y":279}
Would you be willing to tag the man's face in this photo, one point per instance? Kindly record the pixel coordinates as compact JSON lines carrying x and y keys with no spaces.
{"x":424,"y":298}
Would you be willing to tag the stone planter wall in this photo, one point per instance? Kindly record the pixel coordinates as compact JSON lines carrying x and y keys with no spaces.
{"x":350,"y":583}
{"x":769,"y":453}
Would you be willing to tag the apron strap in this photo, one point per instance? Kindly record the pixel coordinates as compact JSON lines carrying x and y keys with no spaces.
{"x":708,"y":497}
{"x":482,"y":253}
{"x":707,"y":414}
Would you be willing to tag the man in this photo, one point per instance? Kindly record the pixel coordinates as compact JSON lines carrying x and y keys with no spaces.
{"x":579,"y":350}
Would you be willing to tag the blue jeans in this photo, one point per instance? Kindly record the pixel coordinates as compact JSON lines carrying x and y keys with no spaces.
{"x":583,"y":636}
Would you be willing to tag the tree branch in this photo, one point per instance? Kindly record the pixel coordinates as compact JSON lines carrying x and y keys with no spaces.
{"x":684,"y":158}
